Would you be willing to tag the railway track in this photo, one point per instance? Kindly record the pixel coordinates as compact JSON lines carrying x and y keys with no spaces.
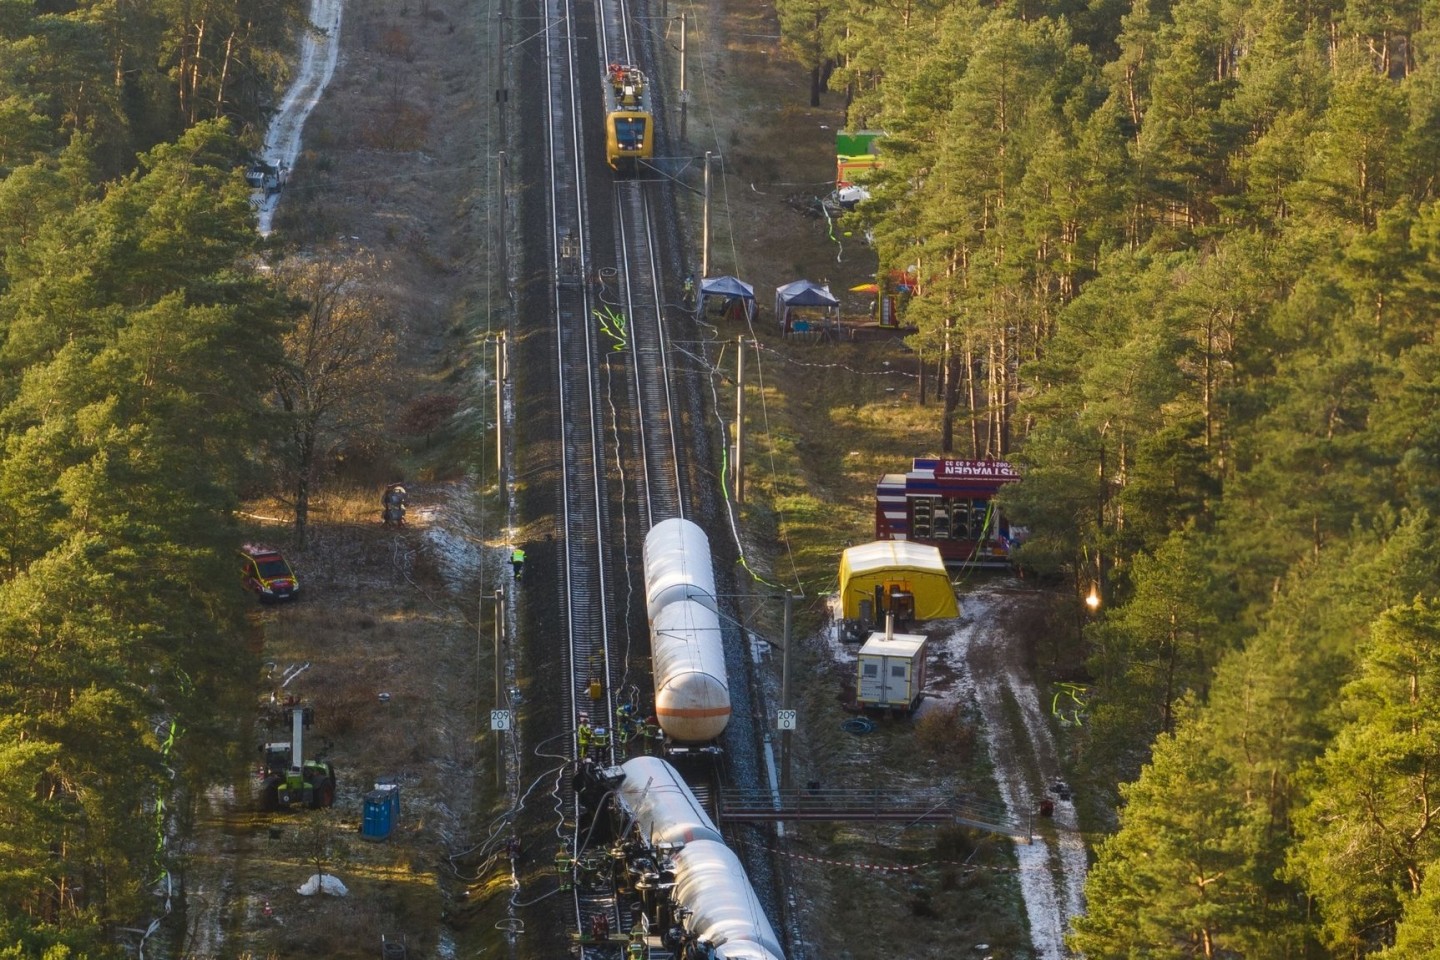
{"x":650,"y":358}
{"x":598,"y":417}
{"x":623,"y":425}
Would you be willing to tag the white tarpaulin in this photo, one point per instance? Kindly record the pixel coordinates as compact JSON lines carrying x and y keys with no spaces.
{"x":322,"y":884}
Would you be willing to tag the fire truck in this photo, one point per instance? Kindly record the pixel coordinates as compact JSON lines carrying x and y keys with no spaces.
{"x":951,"y":504}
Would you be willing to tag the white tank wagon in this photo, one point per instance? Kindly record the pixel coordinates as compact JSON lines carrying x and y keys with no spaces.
{"x":710,"y":882}
{"x":678,"y":565}
{"x":692,"y":691}
{"x":719,"y":905}
{"x":659,"y":805}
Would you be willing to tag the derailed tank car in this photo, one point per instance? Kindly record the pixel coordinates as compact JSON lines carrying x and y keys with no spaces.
{"x":692,"y":690}
{"x":721,"y":915}
{"x":677,"y":565}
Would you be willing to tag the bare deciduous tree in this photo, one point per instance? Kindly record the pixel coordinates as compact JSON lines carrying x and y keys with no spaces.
{"x":319,"y":843}
{"x":339,"y":365}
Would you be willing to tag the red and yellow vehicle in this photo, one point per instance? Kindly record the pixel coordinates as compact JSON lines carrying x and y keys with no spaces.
{"x":265,"y":572}
{"x":950,"y":504}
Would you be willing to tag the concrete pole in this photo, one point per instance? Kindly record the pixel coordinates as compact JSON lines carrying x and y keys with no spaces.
{"x":480,"y":642}
{"x":500,"y":416}
{"x":785,"y":690}
{"x":501,"y":93}
{"x":684,"y":94}
{"x":499,"y":679}
{"x":705,"y":229}
{"x":504,"y":253}
{"x":737,"y":467}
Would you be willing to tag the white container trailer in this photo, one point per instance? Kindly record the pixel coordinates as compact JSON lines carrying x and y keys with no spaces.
{"x":891,"y":671}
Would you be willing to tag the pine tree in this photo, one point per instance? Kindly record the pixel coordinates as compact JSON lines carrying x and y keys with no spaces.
{"x":1367,"y":832}
{"x":1160,"y":647}
{"x":1178,"y":878}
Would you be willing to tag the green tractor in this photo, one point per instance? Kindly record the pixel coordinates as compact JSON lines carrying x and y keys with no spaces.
{"x":291,"y":780}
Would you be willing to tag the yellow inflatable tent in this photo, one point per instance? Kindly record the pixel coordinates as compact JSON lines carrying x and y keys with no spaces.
{"x":914,"y":568}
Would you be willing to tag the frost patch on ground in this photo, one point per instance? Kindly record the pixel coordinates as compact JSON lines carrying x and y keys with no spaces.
{"x":973,"y":661}
{"x":1051,"y":880}
{"x":444,"y":523}
{"x":208,"y":892}
{"x":220,"y":794}
{"x":319,"y":51}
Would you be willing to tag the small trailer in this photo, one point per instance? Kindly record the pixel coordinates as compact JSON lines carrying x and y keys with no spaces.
{"x":890,"y":674}
{"x":268,"y":178}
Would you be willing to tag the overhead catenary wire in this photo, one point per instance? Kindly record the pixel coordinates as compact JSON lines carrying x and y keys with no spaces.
{"x":729,"y":220}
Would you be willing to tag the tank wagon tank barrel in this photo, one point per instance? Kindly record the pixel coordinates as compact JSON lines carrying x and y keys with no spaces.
{"x":710,"y":893}
{"x":677,"y":565}
{"x":692,"y":691}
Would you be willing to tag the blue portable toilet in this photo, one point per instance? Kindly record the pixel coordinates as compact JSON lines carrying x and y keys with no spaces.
{"x":382,"y":810}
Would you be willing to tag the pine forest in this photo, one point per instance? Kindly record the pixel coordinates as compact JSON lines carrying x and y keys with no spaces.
{"x":1180,"y":262}
{"x":136,"y":350}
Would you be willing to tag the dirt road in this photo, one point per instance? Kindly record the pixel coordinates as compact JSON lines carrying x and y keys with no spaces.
{"x":319,"y":52}
{"x":1018,"y":736}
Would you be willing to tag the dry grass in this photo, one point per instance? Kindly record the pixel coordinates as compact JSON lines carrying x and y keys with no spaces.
{"x":832,"y":422}
{"x":374,"y":619}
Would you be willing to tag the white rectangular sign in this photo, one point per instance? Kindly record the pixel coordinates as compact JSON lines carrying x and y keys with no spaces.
{"x":499,"y":719}
{"x":785,"y":720}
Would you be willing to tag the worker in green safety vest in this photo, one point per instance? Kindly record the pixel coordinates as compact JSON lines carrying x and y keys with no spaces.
{"x":517,"y":562}
{"x":563,"y":866}
{"x":583,"y":737}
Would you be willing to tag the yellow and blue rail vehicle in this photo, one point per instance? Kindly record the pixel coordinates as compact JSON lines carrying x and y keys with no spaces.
{"x":629,"y":125}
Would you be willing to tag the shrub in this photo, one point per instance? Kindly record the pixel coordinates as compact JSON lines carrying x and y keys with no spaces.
{"x":427,"y":413}
{"x":943,"y":732}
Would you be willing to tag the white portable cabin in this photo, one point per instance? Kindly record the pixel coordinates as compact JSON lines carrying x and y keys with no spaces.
{"x":891,"y":671}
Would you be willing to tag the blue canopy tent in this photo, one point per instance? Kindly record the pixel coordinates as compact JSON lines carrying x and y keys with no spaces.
{"x":802,"y":294}
{"x":737,"y":293}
